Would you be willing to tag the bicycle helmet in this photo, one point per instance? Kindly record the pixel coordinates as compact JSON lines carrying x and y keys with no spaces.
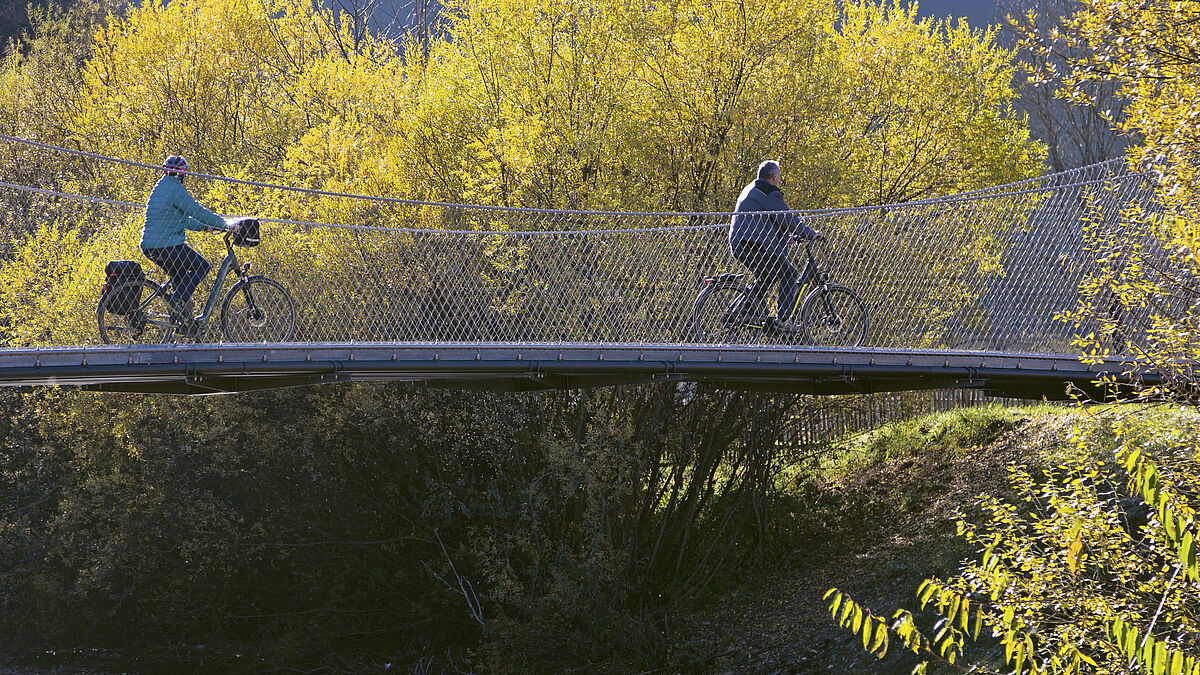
{"x":175,"y":165}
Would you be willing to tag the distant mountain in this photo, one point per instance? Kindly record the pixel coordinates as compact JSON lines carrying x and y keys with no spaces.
{"x":13,"y":20}
{"x":390,"y":17}
{"x":978,"y":13}
{"x":395,"y":16}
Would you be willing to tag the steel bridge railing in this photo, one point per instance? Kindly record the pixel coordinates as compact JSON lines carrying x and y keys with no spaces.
{"x":984,"y":271}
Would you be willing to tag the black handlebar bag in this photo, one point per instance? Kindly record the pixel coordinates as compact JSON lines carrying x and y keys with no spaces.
{"x":247,"y":233}
{"x":117,"y":272}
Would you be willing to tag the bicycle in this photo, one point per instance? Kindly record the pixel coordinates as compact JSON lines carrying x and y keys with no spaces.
{"x":255,"y":309}
{"x":829,"y":315}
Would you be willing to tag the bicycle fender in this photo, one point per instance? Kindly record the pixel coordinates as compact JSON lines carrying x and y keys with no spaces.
{"x":241,"y":283}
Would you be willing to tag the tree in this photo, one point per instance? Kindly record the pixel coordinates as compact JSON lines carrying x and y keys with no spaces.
{"x":590,"y":105}
{"x":1093,"y":567}
{"x":1077,"y":134}
{"x":1081,"y":571}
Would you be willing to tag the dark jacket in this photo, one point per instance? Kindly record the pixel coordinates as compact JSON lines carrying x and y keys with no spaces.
{"x":770,"y":230}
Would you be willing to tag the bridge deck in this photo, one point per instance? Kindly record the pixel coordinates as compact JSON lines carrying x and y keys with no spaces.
{"x":966,"y":290}
{"x":219,"y":368}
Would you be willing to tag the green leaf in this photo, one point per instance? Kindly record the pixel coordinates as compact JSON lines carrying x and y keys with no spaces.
{"x":1187,"y":556}
{"x":940,"y":629}
{"x":1176,"y":664}
{"x":1132,"y":460}
{"x":879,"y":645}
{"x":1150,"y":485}
{"x":978,"y":625}
{"x":1073,"y":551}
{"x":1129,"y":642}
{"x":1168,"y":521}
{"x":925,"y":592}
{"x":837,"y":602}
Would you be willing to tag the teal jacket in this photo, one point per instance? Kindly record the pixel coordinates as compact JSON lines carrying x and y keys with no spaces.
{"x":171,"y":210}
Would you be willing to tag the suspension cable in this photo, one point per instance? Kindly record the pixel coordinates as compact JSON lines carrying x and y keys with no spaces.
{"x":376,"y":228}
{"x":1009,"y":190}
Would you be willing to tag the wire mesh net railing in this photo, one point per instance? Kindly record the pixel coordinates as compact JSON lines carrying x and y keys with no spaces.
{"x":989,"y":270}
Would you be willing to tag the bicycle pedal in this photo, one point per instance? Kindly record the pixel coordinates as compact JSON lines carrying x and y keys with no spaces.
{"x":767,"y":324}
{"x":190,"y":328}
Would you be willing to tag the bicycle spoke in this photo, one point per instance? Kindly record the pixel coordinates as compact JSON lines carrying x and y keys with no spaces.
{"x":149,"y":321}
{"x":835,"y":316}
{"x":258,"y":310}
{"x":714,"y":315}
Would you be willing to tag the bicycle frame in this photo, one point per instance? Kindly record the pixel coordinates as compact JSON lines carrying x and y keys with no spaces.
{"x":825,"y":313}
{"x":244,"y":318}
{"x":229,"y":262}
{"x":817,"y":278}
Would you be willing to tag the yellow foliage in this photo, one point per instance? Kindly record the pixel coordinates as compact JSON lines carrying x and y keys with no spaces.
{"x":600,"y":104}
{"x":49,"y":290}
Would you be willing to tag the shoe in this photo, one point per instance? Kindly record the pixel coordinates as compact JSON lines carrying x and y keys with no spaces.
{"x":789,"y":326}
{"x":191,"y":328}
{"x":136,"y":320}
{"x":766,"y":322}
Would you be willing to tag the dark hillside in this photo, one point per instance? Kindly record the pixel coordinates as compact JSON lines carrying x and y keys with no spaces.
{"x":346,"y":528}
{"x":13,"y":19}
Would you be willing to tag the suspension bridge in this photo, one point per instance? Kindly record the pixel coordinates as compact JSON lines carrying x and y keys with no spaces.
{"x":962,"y":291}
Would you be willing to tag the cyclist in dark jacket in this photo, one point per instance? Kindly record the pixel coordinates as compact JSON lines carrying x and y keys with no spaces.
{"x":169,"y":212}
{"x":760,"y":241}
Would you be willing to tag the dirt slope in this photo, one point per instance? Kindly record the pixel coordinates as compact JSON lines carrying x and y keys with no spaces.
{"x":888,"y":527}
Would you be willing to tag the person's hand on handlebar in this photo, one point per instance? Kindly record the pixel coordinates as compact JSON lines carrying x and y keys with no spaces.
{"x":818,"y":236}
{"x":231,"y":226}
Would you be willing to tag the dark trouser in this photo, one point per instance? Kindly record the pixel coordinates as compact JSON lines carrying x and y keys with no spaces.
{"x":185,"y":267}
{"x":769,"y":267}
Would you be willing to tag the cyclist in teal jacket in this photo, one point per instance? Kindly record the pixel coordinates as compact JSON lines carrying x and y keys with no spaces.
{"x":170,"y":211}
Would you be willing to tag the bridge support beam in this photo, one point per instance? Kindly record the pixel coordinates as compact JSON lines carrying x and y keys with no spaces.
{"x":222,"y":368}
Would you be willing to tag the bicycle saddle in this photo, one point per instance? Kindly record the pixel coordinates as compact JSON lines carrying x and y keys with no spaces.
{"x":720,"y":278}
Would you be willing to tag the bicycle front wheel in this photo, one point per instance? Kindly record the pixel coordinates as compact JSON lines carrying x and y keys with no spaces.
{"x":834,"y":316}
{"x":258,"y":309}
{"x":135,"y":312}
{"x":712,"y":315}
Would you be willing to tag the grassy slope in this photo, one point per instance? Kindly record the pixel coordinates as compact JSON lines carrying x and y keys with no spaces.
{"x":882,"y":520}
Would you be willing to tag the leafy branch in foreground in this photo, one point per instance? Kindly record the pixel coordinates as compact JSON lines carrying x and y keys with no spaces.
{"x":1080,"y":572}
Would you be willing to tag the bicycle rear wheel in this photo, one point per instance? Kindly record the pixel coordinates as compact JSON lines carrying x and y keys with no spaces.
{"x":712,"y":320}
{"x":834,"y":316}
{"x":258,"y":309}
{"x":149,"y":321}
